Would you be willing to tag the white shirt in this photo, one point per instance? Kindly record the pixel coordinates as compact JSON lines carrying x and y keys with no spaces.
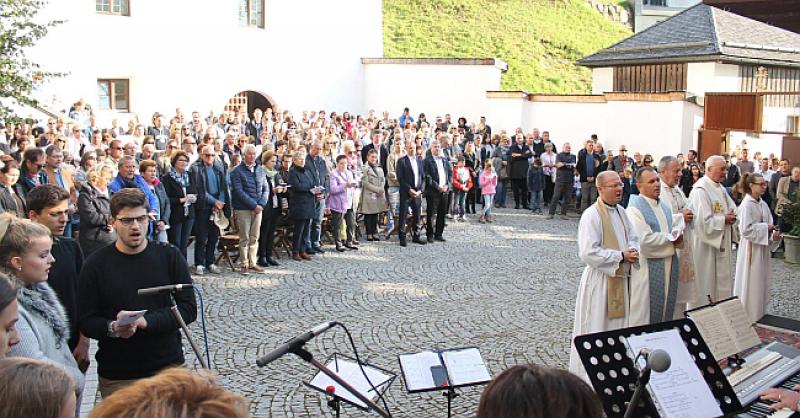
{"x":414,"y":168}
{"x":440,"y":169}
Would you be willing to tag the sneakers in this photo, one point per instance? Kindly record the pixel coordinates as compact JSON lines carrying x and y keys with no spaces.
{"x":214,"y":269}
{"x":199,"y":270}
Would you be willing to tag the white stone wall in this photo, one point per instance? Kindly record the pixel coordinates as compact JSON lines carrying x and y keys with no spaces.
{"x":435,"y":90}
{"x":602,"y":80}
{"x":658,"y":128}
{"x":702,"y":77}
{"x":189,"y":53}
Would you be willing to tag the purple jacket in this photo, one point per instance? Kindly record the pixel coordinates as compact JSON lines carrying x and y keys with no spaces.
{"x":338,"y":199}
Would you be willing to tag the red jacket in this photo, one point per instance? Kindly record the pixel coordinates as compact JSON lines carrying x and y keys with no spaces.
{"x":457,"y":184}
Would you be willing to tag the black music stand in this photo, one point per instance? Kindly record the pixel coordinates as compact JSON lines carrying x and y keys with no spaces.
{"x":321,"y":382}
{"x":448,"y":388}
{"x":610,"y":367}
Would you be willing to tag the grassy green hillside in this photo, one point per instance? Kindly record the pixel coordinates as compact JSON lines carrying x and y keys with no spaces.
{"x":539,"y":39}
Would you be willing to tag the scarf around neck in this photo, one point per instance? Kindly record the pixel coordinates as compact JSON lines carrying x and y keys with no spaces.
{"x":39,"y":298}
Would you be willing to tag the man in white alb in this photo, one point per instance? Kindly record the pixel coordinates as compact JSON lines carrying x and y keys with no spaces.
{"x":654,"y":282}
{"x":712,"y":232}
{"x":608,"y":245}
{"x":669,"y":170}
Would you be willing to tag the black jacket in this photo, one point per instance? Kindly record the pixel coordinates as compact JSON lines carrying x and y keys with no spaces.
{"x":302,"y":201}
{"x":175,"y":193}
{"x":95,"y":212}
{"x":199,"y":178}
{"x":432,"y":180}
{"x":581,"y":167}
{"x":518,"y":166}
{"x":405,"y":176}
{"x":9,"y":204}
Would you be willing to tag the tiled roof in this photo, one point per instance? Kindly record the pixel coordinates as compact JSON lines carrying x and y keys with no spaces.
{"x":703,"y":33}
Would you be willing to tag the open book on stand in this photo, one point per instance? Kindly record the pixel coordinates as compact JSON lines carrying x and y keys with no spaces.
{"x":725,"y":327}
{"x":462,"y":367}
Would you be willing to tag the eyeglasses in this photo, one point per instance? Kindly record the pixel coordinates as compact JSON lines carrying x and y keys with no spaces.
{"x":117,"y":148}
{"x":181,"y":160}
{"x":209,"y":155}
{"x":141,"y":220}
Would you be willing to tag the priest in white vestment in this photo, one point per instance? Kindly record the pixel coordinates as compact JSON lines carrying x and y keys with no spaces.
{"x":752,"y":282}
{"x":669,"y":170}
{"x":608,"y":245}
{"x":654,"y":282}
{"x":712,"y":232}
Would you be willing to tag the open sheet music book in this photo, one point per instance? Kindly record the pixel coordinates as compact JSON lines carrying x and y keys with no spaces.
{"x":349,"y":370}
{"x":464,"y":366}
{"x":680,"y":391}
{"x":726,"y":327}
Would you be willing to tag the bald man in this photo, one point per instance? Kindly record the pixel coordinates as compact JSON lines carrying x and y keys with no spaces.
{"x":607,"y":243}
{"x":712,"y":232}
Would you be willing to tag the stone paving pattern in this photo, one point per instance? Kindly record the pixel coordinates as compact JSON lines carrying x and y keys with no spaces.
{"x":507,"y":287}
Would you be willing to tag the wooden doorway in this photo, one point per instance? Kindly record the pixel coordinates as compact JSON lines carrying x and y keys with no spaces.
{"x":248,"y":101}
{"x":711,"y":142}
{"x":791,"y":149}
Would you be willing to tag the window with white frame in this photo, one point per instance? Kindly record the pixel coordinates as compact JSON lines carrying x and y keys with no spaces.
{"x":251,"y":13}
{"x":113,"y":7}
{"x":113,"y":94}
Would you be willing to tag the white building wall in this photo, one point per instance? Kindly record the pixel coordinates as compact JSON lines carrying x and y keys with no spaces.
{"x":435,"y":90}
{"x":602,"y":80}
{"x":702,"y":77}
{"x":188,"y":53}
{"x":632,"y":123}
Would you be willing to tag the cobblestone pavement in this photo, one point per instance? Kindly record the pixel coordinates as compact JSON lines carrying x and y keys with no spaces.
{"x":507,"y":287}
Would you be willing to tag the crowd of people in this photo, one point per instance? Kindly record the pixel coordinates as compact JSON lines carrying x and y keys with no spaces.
{"x":85,"y":207}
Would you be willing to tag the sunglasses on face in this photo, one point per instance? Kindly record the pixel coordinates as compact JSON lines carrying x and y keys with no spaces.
{"x":141,"y":220}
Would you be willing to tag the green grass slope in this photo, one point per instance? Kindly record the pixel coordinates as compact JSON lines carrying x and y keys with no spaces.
{"x":539,"y":39}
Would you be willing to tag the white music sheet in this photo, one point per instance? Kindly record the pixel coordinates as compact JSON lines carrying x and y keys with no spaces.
{"x":726,"y":328}
{"x":465,"y":367}
{"x":417,"y":369}
{"x":742,"y":331}
{"x":681,"y":391}
{"x":350,"y":372}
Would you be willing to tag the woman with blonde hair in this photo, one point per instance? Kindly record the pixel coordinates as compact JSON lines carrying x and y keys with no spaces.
{"x":34,"y":388}
{"x":173,"y":393}
{"x":94,"y":209}
{"x":42,"y":327}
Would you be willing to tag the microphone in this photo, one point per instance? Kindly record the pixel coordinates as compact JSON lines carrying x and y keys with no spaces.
{"x":295,"y":343}
{"x":161,"y":289}
{"x":656,"y":360}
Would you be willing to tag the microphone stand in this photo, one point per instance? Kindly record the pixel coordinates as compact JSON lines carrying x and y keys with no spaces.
{"x":644,"y":378}
{"x":179,"y":318}
{"x":305,"y":355}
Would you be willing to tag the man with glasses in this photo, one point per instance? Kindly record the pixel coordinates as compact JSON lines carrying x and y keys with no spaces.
{"x":212,"y":198}
{"x":622,"y":161}
{"x":128,"y":179}
{"x":107,"y":292}
{"x":32,"y":173}
{"x":190,"y":148}
{"x":115,"y":152}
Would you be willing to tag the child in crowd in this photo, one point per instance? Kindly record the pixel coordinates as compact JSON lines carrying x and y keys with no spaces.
{"x":488,"y":182}
{"x":536,"y":181}
{"x":462,"y":183}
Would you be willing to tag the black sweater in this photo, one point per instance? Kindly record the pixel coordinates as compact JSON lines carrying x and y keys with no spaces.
{"x":63,"y":278}
{"x":108,"y":284}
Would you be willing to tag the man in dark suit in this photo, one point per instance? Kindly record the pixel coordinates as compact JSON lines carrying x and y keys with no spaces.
{"x":438,"y":180}
{"x":411,"y":177}
{"x":377,"y":145}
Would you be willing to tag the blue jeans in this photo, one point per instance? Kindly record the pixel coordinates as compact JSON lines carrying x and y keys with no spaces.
{"x":179,"y":235}
{"x":315,"y":225}
{"x":461,"y":197}
{"x":302,"y":228}
{"x":488,"y":204}
{"x":537,"y":199}
{"x":500,"y":195}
